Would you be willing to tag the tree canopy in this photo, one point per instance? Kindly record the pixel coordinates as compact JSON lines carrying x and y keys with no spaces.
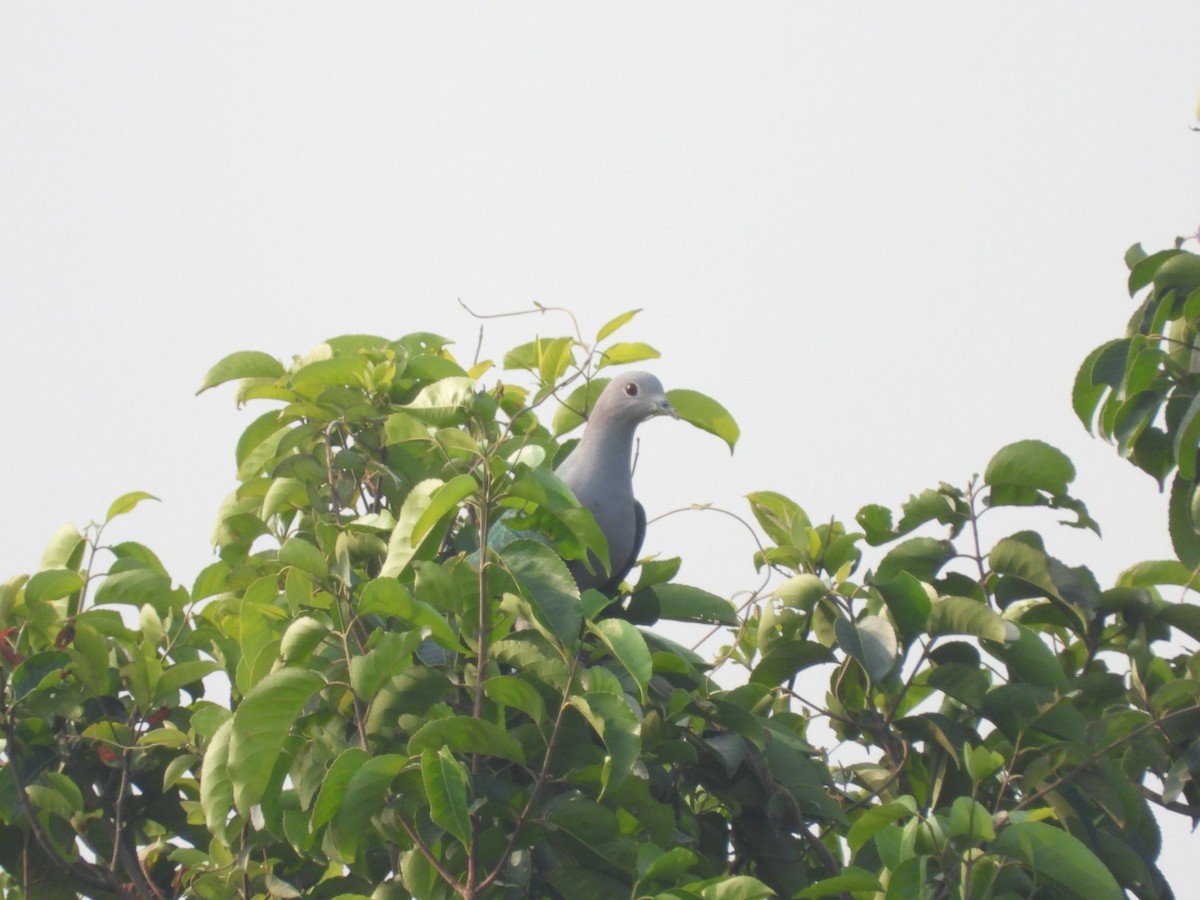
{"x":343,"y":704}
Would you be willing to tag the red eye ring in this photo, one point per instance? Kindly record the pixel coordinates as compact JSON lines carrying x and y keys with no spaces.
{"x":631,"y":390}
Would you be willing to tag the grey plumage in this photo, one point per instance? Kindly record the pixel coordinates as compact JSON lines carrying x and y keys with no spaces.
{"x":599,"y":473}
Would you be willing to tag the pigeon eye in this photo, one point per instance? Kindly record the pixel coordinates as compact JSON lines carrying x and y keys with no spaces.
{"x":631,"y":390}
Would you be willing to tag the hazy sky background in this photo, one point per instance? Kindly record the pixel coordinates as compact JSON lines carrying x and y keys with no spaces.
{"x":883,"y":235}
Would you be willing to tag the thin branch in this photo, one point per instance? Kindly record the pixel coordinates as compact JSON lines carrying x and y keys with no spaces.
{"x":447,"y":876}
{"x":1100,"y":754}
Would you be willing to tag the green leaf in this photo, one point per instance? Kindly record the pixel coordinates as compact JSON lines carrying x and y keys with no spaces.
{"x":684,"y":603}
{"x":402,"y":550}
{"x":851,"y":878}
{"x":872,"y":643}
{"x":465,"y":734}
{"x":624,"y":353}
{"x":1187,"y":440}
{"x":614,"y":323}
{"x":445,"y":781}
{"x":444,"y":403}
{"x":366,"y":793}
{"x":576,"y":407}
{"x":260,"y":725}
{"x":334,"y":784}
{"x":706,"y":414}
{"x":387,"y":597}
{"x":970,"y":819}
{"x":1155,"y":572}
{"x":1030,"y":660}
{"x":514,"y":692}
{"x":1184,"y":537}
{"x":216,"y":788}
{"x":1059,"y":857}
{"x":553,"y":358}
{"x":135,"y":587}
{"x":1103,"y":369}
{"x":616,"y":725}
{"x":388,"y":658}
{"x":243,"y":364}
{"x":877,"y":817}
{"x":126,"y":502}
{"x":801,"y":591}
{"x":782,"y":662}
{"x":920,"y":557}
{"x":53,"y":584}
{"x":38,"y":671}
{"x":444,"y":501}
{"x":982,"y":762}
{"x":1024,"y":467}
{"x":311,"y":378}
{"x":963,"y":615}
{"x":65,"y":550}
{"x":546,"y":584}
{"x":303,"y":555}
{"x":909,"y":603}
{"x":181,"y":674}
{"x":628,"y":647}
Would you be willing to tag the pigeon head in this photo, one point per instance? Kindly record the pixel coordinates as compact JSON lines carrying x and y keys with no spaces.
{"x":633,"y":397}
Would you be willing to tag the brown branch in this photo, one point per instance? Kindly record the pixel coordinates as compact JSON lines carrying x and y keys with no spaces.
{"x":447,"y":876}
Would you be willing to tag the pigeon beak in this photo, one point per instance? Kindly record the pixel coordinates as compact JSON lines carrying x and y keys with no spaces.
{"x":666,"y":409}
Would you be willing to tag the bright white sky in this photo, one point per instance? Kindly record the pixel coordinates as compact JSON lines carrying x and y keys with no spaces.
{"x":883,"y":236}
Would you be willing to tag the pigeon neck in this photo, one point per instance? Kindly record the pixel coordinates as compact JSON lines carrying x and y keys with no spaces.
{"x":608,"y":444}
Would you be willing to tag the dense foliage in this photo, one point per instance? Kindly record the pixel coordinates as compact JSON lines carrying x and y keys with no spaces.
{"x":354,"y":700}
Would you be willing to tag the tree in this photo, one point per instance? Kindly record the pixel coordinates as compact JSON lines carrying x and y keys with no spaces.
{"x":342,"y":705}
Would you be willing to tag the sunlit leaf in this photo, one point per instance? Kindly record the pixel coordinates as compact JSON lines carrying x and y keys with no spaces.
{"x":242,"y":364}
{"x":706,"y":414}
{"x":260,"y":724}
{"x":126,"y":502}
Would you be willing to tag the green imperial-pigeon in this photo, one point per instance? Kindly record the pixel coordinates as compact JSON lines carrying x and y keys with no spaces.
{"x":600,"y":473}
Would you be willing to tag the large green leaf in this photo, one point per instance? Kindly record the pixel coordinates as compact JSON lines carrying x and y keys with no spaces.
{"x":242,"y":364}
{"x":628,"y":647}
{"x":871,"y":641}
{"x":444,"y":403}
{"x":785,"y":660}
{"x":1181,"y":522}
{"x":465,"y":734}
{"x":616,"y":725}
{"x":963,"y":615}
{"x":1017,"y":472}
{"x":446,"y":781}
{"x":261,"y":724}
{"x":52,"y":584}
{"x":334,"y":784}
{"x":402,"y":549}
{"x":1059,"y":857}
{"x":545,"y":583}
{"x":216,"y":787}
{"x":684,"y":603}
{"x":706,"y":414}
{"x":366,"y":792}
{"x":303,"y":555}
{"x":443,"y":501}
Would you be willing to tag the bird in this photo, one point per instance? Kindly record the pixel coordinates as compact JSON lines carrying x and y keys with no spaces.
{"x":599,"y":472}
